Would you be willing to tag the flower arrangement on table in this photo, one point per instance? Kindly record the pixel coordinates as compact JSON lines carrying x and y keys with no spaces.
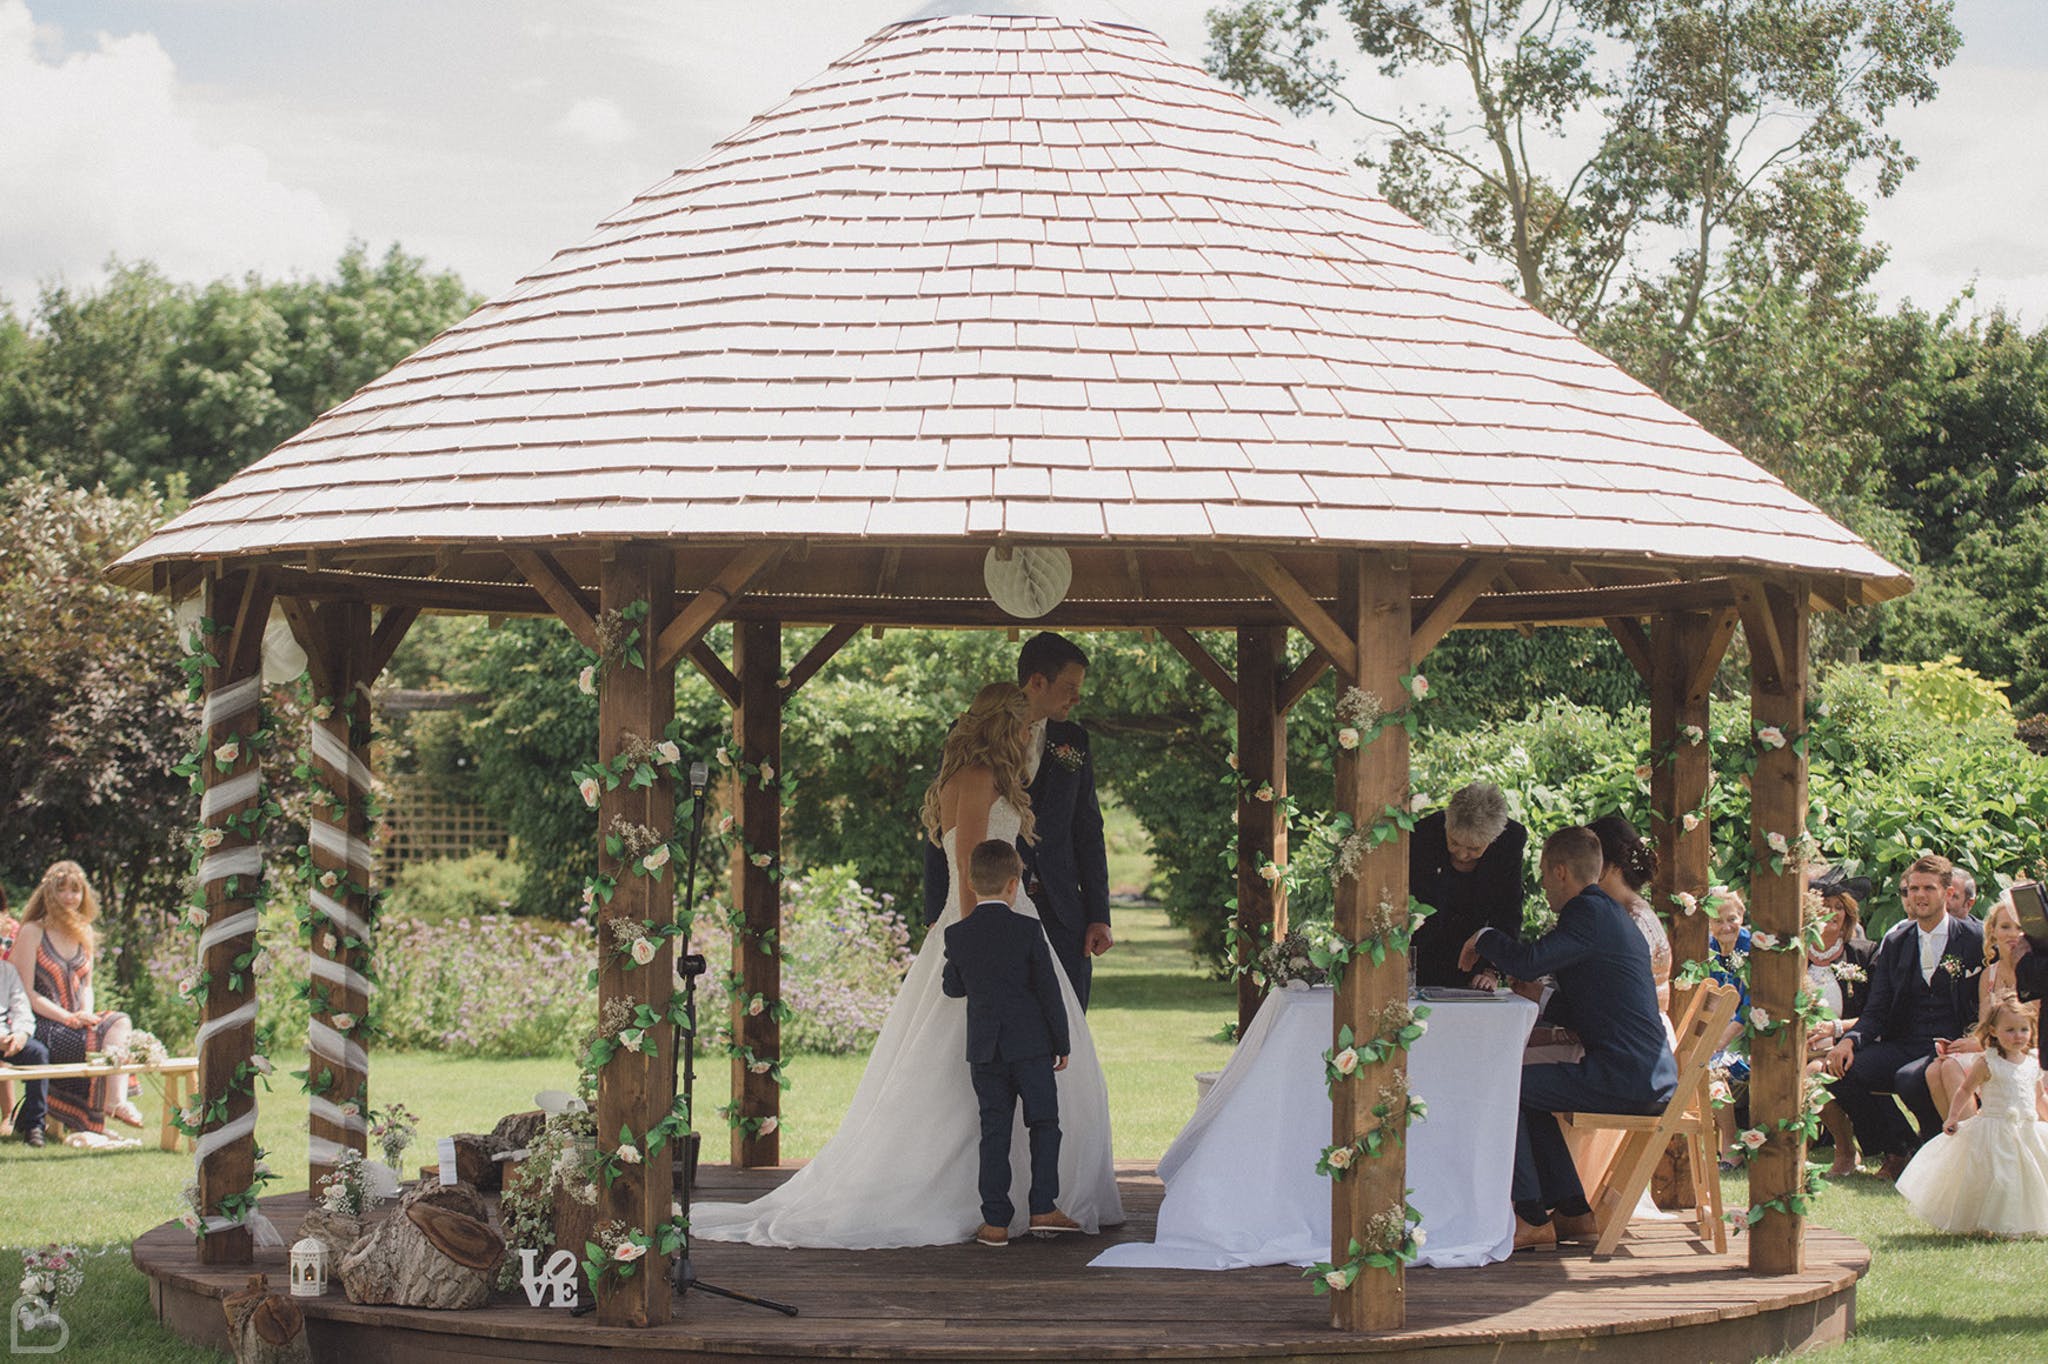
{"x":346,"y":1189}
{"x":1290,"y":964}
{"x":393,"y":1130}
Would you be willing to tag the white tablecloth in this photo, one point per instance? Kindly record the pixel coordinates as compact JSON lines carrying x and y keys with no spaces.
{"x":1241,"y":1181}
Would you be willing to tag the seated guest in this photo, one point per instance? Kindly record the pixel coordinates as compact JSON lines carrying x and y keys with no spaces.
{"x":1839,"y":973}
{"x":1465,"y":861}
{"x":1923,"y":991}
{"x":1606,"y":995}
{"x":1626,"y":866}
{"x":1962,"y":897}
{"x":2030,"y":968}
{"x":19,"y":1047}
{"x":54,"y":954}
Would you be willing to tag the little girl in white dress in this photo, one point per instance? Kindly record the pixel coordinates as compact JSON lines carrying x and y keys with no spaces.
{"x":1989,"y":1172}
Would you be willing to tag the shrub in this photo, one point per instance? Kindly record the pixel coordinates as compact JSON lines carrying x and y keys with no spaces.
{"x":452,"y":887}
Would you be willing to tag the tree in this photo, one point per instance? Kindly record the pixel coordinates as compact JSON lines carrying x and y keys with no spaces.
{"x":92,"y":706}
{"x":143,"y":378}
{"x":1717,"y":126}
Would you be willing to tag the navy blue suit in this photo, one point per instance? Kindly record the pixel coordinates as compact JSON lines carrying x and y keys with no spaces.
{"x":2031,"y":974}
{"x":998,"y":960}
{"x":1903,"y":1016}
{"x":1066,"y":872}
{"x":1605,"y":994}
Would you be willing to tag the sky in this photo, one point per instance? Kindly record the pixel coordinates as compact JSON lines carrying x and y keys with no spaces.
{"x":218,"y":137}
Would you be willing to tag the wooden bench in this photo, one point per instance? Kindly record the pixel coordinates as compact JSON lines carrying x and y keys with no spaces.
{"x":176,"y":1079}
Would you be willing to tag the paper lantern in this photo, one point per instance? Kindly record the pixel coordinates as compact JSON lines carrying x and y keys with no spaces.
{"x":283,"y":659}
{"x":1029,"y":580}
{"x":309,"y":1268}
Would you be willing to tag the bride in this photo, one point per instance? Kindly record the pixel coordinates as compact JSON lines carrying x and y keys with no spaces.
{"x":901,"y":1170}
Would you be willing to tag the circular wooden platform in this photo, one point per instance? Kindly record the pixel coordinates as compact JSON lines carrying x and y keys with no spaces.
{"x":1663,"y":1296}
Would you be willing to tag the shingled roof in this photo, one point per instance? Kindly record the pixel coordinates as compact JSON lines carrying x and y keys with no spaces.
{"x":1025,"y":277}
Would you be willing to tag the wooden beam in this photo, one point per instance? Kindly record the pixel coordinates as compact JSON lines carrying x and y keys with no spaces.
{"x":709,"y":605}
{"x":1449,"y":605}
{"x":1293,"y":599}
{"x":558,"y":590}
{"x":1680,"y":774}
{"x":389,"y":634}
{"x":756,"y":890}
{"x":635,"y":1090}
{"x":821,"y":653}
{"x":715,"y":672}
{"x":1635,"y":645}
{"x":1203,"y":662}
{"x":1778,"y":806}
{"x":1707,"y":653}
{"x":1760,"y":626}
{"x":1305,"y":675}
{"x":1261,"y":824}
{"x":1374,"y":608}
{"x":252,"y":617}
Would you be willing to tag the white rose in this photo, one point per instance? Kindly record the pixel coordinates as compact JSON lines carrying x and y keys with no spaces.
{"x":344,"y":1022}
{"x":1347,"y":738}
{"x":657,"y":859}
{"x":632,"y":1039}
{"x":1421,"y":1237}
{"x":724,"y":758}
{"x":725,"y":824}
{"x":195,"y":916}
{"x":212,"y":838}
{"x":667,"y":751}
{"x":1694,"y":734}
{"x":1770,"y":736}
{"x":760,"y":1067}
{"x":1776,"y":842}
{"x":586,"y":681}
{"x":1345,"y":1061}
{"x":329,"y":880}
{"x":1691,"y":822}
{"x":1759,"y":1019}
{"x":761,"y":859}
{"x":1418,"y":686}
{"x":1764,"y":942}
{"x":228,"y":752}
{"x":629,"y":1155}
{"x":1754,"y":1139}
{"x":1335,"y":1279}
{"x":260,"y":1064}
{"x":643,"y":951}
{"x":769,"y":1125}
{"x":1340,"y":1158}
{"x":629,"y":1251}
{"x":1265,"y":791}
{"x":1644,"y":772}
{"x":755,"y":1005}
{"x":1272,"y":871}
{"x":590,"y":791}
{"x":767,"y":772}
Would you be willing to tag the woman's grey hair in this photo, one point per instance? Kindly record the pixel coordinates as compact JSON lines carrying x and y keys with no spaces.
{"x":1478,"y":812}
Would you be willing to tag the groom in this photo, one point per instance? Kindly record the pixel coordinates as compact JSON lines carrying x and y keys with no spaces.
{"x":1066,"y":872}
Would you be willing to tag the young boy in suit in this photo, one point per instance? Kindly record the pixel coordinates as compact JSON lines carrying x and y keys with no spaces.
{"x":999,"y":962}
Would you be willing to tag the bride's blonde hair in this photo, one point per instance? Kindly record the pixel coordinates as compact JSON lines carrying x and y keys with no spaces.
{"x":991,"y":734}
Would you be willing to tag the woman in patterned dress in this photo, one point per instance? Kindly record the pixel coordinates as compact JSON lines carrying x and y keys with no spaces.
{"x":54,"y":954}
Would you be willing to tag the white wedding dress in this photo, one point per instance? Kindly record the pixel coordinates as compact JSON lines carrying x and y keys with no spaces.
{"x":903,"y":1168}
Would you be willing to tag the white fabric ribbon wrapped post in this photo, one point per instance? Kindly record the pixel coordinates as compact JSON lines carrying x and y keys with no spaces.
{"x":336,"y":849}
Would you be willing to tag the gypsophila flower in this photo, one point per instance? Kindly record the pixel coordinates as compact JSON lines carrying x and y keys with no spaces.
{"x":1360,"y":708}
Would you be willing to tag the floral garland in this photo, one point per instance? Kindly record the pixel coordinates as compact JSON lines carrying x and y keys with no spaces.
{"x":625,"y":1025}
{"x":240,"y":872}
{"x":1393,"y":1238}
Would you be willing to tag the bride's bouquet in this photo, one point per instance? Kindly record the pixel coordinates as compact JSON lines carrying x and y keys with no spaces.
{"x":1290,"y":963}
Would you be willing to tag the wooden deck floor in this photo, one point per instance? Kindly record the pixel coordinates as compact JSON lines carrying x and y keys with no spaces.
{"x":1663,"y":1296}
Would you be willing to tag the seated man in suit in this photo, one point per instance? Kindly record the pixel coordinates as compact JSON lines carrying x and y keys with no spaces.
{"x":998,"y":960}
{"x":1606,"y":993}
{"x":1923,"y":990}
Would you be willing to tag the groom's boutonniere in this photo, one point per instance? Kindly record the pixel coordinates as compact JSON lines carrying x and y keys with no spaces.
{"x":1067,"y":756}
{"x":1952,"y":964}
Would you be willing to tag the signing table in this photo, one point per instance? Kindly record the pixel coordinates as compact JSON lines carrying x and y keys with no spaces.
{"x":1241,"y":1181}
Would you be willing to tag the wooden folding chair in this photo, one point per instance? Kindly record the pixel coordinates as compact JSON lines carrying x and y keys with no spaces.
{"x":1689,"y":1116}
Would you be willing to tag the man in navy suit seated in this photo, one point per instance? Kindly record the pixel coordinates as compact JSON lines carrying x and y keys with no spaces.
{"x":998,"y":960}
{"x":1607,"y":995}
{"x":1923,"y":992}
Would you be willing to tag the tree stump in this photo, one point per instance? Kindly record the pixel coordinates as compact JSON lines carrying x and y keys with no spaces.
{"x":265,"y":1327}
{"x":476,"y":1160}
{"x":338,"y":1231}
{"x":462,"y":1198}
{"x":518,"y":1131}
{"x":426,"y":1256}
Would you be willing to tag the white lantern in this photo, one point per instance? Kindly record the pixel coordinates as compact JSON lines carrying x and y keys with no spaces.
{"x":309,"y":1269}
{"x":1029,"y":580}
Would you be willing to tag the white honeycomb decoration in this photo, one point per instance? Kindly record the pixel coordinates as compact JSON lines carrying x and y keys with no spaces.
{"x":1030,"y":582}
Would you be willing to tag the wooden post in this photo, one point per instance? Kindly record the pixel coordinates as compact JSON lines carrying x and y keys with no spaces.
{"x":230,"y":874}
{"x":1373,"y":608}
{"x":1777,"y":1063}
{"x":338,"y":655}
{"x":757,"y":890}
{"x":1261,"y":829}
{"x":1678,"y":787}
{"x":634,"y":1090}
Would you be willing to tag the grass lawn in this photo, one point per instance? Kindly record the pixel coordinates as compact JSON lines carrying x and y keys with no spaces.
{"x":1931,"y":1298}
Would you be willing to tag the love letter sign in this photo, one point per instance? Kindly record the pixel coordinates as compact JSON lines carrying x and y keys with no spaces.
{"x":560,"y":1275}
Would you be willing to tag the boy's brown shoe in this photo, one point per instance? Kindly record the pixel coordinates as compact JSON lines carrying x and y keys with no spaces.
{"x":1052,"y":1223}
{"x":992,"y":1236}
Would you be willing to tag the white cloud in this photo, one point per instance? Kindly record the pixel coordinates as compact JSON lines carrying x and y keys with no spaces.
{"x":100,"y":155}
{"x":598,"y":121}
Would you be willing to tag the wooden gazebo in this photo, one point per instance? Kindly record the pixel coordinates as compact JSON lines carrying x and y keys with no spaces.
{"x":1001,"y":278}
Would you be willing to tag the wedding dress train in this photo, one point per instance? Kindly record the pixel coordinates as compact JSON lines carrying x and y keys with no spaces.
{"x":902,"y":1169}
